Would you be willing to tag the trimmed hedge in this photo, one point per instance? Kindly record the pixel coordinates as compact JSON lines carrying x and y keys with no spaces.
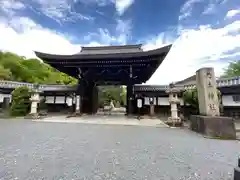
{"x":20,"y":101}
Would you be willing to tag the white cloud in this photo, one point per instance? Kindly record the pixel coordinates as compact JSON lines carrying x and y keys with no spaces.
{"x":232,"y":13}
{"x":123,"y":5}
{"x":33,"y":37}
{"x":120,"y":5}
{"x":187,"y":8}
{"x":160,"y":40}
{"x":59,"y":10}
{"x":213,"y":6}
{"x":23,"y":36}
{"x":123,"y":30}
{"x":11,"y":6}
{"x":210,"y":9}
{"x":121,"y":35}
{"x":196,"y":48}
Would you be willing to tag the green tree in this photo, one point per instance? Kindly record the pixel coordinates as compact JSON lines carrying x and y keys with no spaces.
{"x":18,"y":68}
{"x":232,"y":70}
{"x":115,"y":93}
{"x":190,"y":97}
{"x":20,"y":105}
{"x":5,"y":74}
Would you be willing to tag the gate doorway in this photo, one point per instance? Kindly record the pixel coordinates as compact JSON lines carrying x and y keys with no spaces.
{"x":112,"y":100}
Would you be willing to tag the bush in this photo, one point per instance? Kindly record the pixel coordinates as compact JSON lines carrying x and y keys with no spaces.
{"x":20,"y":101}
{"x":42,"y":105}
{"x":190,"y":97}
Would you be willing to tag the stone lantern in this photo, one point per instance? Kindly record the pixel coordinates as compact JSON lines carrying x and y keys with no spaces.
{"x":173,"y":92}
{"x":35,"y":99}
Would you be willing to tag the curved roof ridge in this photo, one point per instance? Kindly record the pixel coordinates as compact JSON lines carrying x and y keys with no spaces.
{"x":130,"y":46}
{"x":159,"y":51}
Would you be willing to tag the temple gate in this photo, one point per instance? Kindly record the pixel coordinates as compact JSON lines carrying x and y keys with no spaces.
{"x":107,"y":65}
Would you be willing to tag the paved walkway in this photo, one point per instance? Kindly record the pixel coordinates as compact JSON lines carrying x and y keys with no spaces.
{"x":107,"y":120}
{"x":54,"y":151}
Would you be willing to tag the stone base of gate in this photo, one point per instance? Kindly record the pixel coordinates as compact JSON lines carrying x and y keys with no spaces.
{"x":33,"y":116}
{"x":174,"y":122}
{"x":75,"y":114}
{"x":214,"y":127}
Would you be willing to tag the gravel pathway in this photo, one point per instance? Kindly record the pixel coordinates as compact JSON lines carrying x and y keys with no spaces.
{"x":34,"y":150}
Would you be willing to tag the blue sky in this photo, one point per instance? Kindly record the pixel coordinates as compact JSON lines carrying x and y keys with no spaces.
{"x":203,"y":32}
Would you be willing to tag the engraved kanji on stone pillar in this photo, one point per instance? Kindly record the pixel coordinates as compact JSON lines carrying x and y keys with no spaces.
{"x":207,"y":92}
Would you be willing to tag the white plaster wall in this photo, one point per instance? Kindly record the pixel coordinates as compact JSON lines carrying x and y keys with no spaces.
{"x":227,"y":100}
{"x":147,"y":101}
{"x":69,"y":101}
{"x":2,"y":96}
{"x":60,"y":100}
{"x":164,"y":101}
{"x":49,"y":99}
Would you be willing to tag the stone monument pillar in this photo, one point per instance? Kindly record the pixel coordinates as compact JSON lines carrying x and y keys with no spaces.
{"x":209,"y":122}
{"x":207,"y":92}
{"x":174,"y":120}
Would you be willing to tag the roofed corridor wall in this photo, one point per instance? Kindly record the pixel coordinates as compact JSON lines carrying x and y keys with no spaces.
{"x":58,"y":99}
{"x":54,"y":87}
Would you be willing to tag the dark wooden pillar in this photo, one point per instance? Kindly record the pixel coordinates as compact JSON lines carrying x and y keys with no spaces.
{"x":130,"y":93}
{"x":79,"y":97}
{"x":94,"y":99}
{"x":89,"y":97}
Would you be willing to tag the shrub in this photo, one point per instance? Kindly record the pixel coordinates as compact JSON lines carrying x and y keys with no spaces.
{"x":20,"y":101}
{"x":42,"y":104}
{"x":190,"y":97}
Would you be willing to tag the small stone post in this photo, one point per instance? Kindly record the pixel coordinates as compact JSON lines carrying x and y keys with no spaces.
{"x":35,"y":99}
{"x":152,"y":111}
{"x":78,"y":104}
{"x":174,"y":120}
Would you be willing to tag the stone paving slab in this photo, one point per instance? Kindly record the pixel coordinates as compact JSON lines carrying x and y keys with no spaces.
{"x":105,"y":120}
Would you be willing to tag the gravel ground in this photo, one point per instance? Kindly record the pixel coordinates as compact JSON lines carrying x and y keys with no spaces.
{"x":32,"y":151}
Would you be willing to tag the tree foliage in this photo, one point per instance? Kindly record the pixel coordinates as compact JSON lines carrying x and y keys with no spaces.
{"x":190,"y":97}
{"x":232,"y":70}
{"x":114,"y":93}
{"x":17,"y":68}
{"x":20,"y":105}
